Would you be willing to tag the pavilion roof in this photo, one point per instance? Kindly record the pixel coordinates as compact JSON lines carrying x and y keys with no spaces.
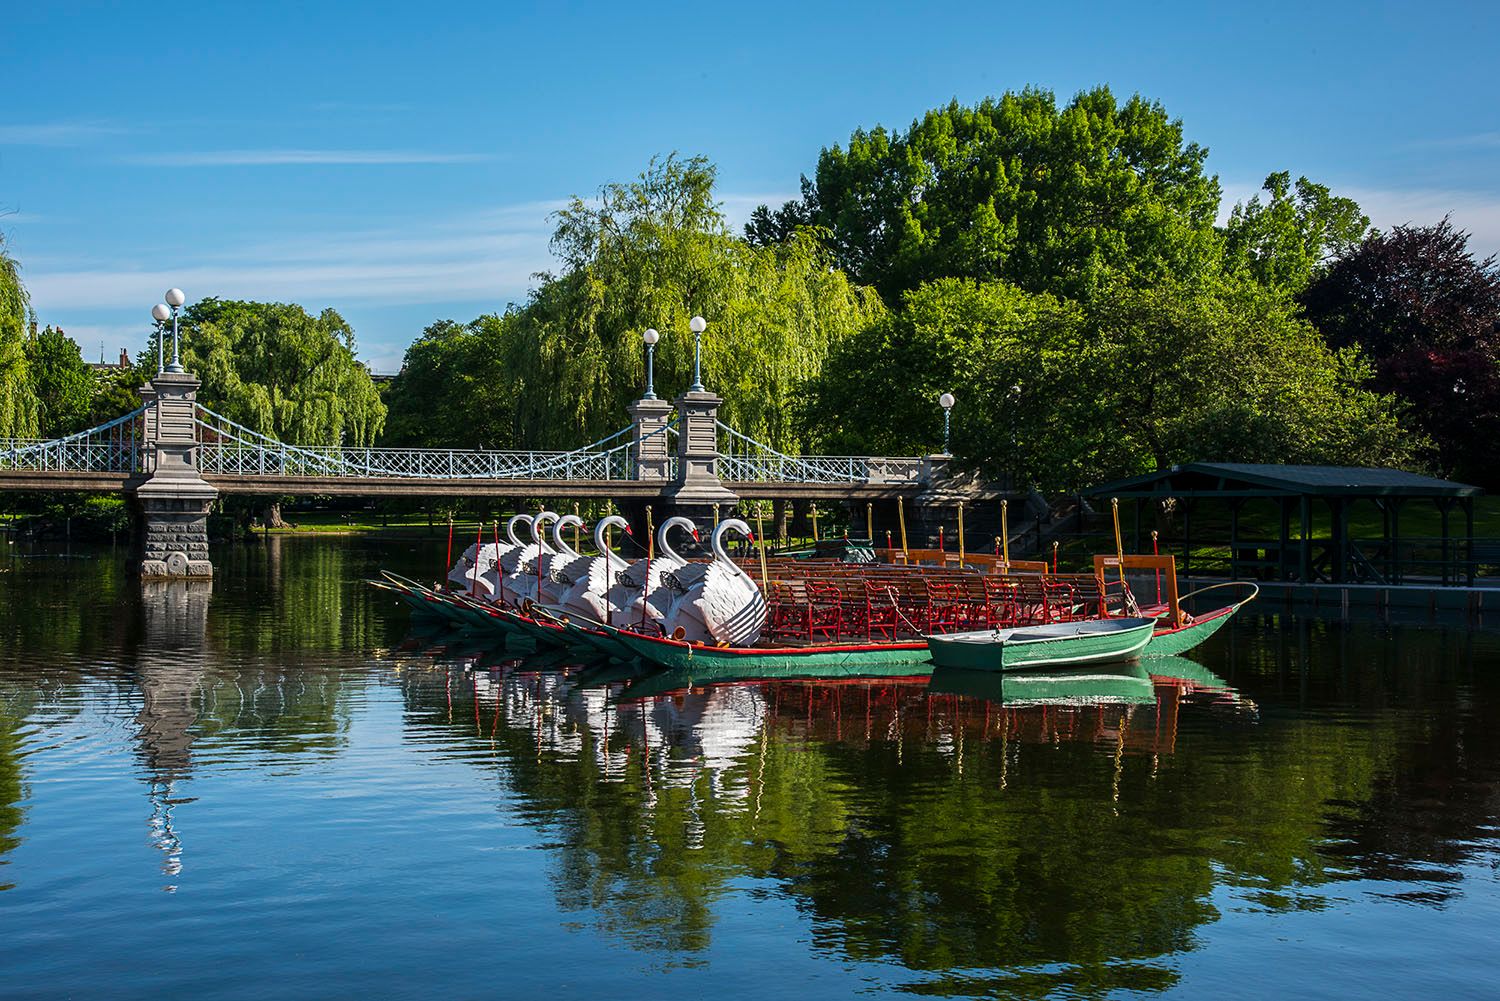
{"x":1253,"y":479}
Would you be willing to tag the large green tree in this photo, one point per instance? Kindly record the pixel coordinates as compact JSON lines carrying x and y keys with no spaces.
{"x":282,"y":372}
{"x":18,"y":410}
{"x":1066,"y":395}
{"x":1050,"y":198}
{"x":452,"y":388}
{"x":1285,"y":240}
{"x":64,"y":384}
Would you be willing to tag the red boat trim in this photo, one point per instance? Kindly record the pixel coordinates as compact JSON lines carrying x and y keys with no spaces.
{"x":1216,"y":614}
{"x":780,"y":650}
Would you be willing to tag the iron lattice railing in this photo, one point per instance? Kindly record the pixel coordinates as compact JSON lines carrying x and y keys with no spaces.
{"x":118,"y":446}
{"x":746,"y":460}
{"x":230,"y":449}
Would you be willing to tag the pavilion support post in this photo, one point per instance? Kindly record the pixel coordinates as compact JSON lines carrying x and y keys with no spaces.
{"x":1340,"y":511}
{"x":1444,"y":505}
{"x":1283,"y":568}
{"x":1468,"y":503}
{"x":1304,"y":550}
{"x":1396,"y":569}
{"x":1187,"y":535}
{"x":1234,"y":537}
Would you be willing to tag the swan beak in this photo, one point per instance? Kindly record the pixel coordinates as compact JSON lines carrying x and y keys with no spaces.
{"x":695,"y":536}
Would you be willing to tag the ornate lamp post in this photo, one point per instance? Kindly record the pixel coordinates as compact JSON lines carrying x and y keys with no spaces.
{"x":161,"y":314}
{"x":650,"y":337}
{"x":946,"y":401}
{"x":175,"y":299}
{"x":697,"y":325}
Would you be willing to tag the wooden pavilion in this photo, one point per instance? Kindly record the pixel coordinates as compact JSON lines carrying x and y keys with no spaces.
{"x":1302,"y":523}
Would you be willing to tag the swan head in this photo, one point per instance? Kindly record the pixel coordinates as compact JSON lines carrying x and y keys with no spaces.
{"x":604,"y":525}
{"x":510,"y":527}
{"x":725,"y":527}
{"x":676,"y":522}
{"x":539,"y":525}
{"x":566,"y":521}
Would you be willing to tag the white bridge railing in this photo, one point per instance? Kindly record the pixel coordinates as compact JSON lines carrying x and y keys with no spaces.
{"x":746,"y":460}
{"x":118,"y":446}
{"x":231,"y":449}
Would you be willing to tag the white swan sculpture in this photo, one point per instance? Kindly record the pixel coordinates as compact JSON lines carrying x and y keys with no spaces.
{"x":589,"y":595}
{"x":558,"y":569}
{"x":521,"y":565}
{"x":716,"y":602}
{"x":493,"y":578}
{"x":638,"y":594}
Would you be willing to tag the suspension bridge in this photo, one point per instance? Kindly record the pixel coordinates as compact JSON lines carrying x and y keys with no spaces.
{"x":174,"y":456}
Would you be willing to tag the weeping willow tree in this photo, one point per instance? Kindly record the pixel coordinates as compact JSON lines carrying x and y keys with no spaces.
{"x":561,"y":369}
{"x":18,"y":409}
{"x":280,"y":371}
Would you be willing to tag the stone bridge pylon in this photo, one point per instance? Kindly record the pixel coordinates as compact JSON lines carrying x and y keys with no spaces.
{"x":171,"y":500}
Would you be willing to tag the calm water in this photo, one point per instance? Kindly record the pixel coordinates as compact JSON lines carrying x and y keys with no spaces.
{"x":268,"y":788}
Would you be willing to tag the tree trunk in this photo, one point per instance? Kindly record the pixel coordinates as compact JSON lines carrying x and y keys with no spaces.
{"x":271,"y":517}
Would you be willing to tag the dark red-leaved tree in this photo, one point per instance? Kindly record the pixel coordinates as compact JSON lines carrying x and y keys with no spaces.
{"x":1427,"y":312}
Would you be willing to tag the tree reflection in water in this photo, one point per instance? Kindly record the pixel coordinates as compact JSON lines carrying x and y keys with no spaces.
{"x":1070,"y":842}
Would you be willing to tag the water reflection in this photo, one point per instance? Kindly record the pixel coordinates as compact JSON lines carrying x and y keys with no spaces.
{"x":1028,"y":835}
{"x":171,"y":660}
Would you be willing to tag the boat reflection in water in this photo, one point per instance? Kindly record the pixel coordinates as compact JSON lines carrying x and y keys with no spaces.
{"x":661,"y":790}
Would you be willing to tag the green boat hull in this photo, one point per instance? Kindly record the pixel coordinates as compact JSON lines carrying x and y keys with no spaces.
{"x":1173,"y":642}
{"x":778,"y":662}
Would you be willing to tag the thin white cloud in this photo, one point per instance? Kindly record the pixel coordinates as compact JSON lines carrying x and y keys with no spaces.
{"x":299,"y":157}
{"x":487,"y":257}
{"x":57,"y":133}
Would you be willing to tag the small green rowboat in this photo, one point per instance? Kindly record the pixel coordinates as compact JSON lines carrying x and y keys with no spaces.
{"x":1056,"y":645}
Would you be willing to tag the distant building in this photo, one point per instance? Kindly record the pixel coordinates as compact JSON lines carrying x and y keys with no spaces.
{"x":109,"y":366}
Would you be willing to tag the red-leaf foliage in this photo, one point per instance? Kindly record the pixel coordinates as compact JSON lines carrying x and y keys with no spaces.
{"x":1427,"y":312}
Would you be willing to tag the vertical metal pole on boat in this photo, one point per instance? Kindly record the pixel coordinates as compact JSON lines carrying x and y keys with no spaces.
{"x":1156,"y":552}
{"x":1114,"y":503}
{"x":1005,"y":536}
{"x":760,"y":532}
{"x":901,"y":517}
{"x":870,"y":523}
{"x":961,"y":552}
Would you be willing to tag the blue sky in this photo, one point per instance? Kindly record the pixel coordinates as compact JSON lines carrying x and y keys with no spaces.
{"x":398,"y":161}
